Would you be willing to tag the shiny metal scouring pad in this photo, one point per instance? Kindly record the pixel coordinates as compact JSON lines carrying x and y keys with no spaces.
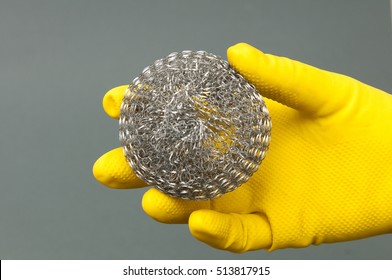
{"x":193,"y":127}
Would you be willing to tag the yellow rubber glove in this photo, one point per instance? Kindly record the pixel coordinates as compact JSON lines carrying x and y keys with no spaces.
{"x":327,"y":176}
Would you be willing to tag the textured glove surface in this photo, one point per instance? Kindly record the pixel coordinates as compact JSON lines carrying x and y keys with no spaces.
{"x":327,"y":176}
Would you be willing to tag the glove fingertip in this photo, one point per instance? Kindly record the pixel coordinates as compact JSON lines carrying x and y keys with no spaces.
{"x":112,"y":170}
{"x":199,"y":227}
{"x":112,"y":101}
{"x":237,"y":233}
{"x":169,"y":210}
{"x":151,"y":204}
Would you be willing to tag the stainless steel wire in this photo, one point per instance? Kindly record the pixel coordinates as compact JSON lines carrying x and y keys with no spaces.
{"x":193,"y":127}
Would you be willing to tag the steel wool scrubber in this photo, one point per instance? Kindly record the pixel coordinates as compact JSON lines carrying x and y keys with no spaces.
{"x":193,"y":127}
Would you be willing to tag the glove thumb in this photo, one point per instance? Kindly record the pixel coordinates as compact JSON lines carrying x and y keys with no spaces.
{"x":292,"y":83}
{"x":234,"y":232}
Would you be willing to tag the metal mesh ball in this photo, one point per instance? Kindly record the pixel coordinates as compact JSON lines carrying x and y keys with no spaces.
{"x":193,"y":127}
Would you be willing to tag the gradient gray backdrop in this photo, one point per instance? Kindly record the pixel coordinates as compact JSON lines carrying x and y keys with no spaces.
{"x":57,"y":60}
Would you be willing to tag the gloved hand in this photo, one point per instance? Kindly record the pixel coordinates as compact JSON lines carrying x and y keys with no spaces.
{"x":327,"y":176}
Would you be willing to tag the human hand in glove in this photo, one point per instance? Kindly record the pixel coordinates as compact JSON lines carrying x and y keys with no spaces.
{"x":327,"y":176}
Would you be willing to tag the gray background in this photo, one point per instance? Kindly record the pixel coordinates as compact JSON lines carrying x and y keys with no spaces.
{"x":58,"y":58}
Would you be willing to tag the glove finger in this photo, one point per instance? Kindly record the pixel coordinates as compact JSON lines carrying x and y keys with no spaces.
{"x":234,"y":232}
{"x":166,"y":209}
{"x":112,"y":170}
{"x":292,"y":83}
{"x":112,"y":101}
